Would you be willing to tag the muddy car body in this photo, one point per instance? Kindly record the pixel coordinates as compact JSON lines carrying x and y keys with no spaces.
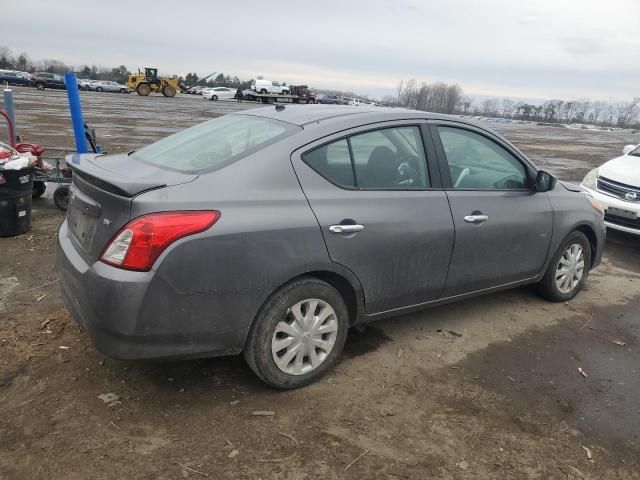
{"x":299,"y":222}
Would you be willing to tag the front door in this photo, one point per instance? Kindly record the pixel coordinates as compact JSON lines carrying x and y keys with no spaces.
{"x":503,"y":226}
{"x":382,"y":214}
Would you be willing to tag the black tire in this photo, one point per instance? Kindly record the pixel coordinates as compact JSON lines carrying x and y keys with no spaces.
{"x":214,"y":98}
{"x":99,"y":89}
{"x":168,"y":91}
{"x":284,"y":92}
{"x":143,"y":89}
{"x":40,"y":86}
{"x":61,"y":197}
{"x":257,"y":351}
{"x":547,"y":287}
{"x":38,"y":189}
{"x":123,"y":90}
{"x":263,"y":91}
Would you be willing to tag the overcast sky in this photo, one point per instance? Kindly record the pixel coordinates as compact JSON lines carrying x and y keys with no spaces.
{"x":527,"y":49}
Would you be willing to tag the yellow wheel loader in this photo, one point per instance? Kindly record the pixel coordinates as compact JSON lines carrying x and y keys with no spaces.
{"x":147,"y":82}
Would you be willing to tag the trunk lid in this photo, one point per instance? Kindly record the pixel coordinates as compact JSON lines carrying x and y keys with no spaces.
{"x":102,"y":191}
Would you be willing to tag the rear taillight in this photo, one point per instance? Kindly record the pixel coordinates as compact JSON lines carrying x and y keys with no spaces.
{"x":139,"y":243}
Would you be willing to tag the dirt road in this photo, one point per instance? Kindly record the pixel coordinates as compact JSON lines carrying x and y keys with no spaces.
{"x":487,"y":388}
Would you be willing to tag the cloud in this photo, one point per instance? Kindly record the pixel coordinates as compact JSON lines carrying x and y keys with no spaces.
{"x":490,"y":46}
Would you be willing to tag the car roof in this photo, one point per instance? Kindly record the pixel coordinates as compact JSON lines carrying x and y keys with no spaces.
{"x":302,"y":115}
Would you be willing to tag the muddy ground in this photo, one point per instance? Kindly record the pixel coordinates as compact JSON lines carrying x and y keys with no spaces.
{"x":487,"y":388}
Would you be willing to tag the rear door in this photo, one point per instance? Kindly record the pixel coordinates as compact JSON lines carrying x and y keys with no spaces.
{"x":503,"y":226}
{"x":381,"y":210}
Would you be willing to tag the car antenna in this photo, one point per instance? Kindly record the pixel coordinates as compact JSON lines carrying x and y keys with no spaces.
{"x":279,"y":108}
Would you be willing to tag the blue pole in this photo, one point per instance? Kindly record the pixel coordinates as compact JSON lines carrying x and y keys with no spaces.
{"x":9,"y":110}
{"x":76,"y":112}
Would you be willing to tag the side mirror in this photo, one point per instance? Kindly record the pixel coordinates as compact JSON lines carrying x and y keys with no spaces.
{"x":545,"y":181}
{"x":628,"y":148}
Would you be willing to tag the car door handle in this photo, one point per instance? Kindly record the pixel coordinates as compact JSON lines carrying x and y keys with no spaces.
{"x":476,"y":218}
{"x":346,"y":228}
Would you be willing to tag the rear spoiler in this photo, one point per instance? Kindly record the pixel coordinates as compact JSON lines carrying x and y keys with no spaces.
{"x":104,"y":172}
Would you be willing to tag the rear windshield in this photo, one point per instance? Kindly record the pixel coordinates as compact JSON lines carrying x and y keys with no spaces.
{"x":215,"y":143}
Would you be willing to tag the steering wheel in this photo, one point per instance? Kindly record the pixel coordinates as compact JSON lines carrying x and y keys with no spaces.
{"x":463,"y":174}
{"x":510,"y":182}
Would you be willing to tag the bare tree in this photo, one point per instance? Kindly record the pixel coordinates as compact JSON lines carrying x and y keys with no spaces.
{"x":489,"y":107}
{"x":627,"y":112}
{"x":6,"y":58}
{"x":597,"y":111}
{"x":508,"y":106}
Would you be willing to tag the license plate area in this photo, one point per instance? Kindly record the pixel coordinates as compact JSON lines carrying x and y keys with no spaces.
{"x":82,"y":228}
{"x":620,"y":212}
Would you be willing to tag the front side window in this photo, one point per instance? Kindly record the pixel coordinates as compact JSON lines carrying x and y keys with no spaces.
{"x":390,"y":158}
{"x":213,"y":143}
{"x":478,"y":163}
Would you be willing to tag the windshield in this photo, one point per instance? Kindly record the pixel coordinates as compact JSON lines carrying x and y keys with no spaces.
{"x":215,"y":143}
{"x":635,"y":152}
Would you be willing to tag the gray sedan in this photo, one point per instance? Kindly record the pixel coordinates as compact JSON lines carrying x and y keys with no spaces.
{"x":272,"y":231}
{"x":108,"y":86}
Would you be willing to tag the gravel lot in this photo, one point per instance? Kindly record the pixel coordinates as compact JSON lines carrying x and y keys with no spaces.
{"x":486,"y":388}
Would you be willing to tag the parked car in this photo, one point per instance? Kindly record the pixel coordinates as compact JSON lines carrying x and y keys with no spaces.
{"x":329,"y":100}
{"x":108,"y":86}
{"x":13,"y":78}
{"x":84,"y":83}
{"x":616,"y":185}
{"x":218,"y":93}
{"x":272,"y":231}
{"x":269,"y":86}
{"x":42,"y":80}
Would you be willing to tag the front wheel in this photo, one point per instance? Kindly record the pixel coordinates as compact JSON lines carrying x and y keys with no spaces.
{"x":40,"y":86}
{"x":214,"y":98}
{"x":298,"y":334}
{"x":567,"y":270}
{"x":99,"y":89}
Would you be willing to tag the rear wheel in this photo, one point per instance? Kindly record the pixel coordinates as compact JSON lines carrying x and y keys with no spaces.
{"x":567,"y":270}
{"x":263,"y":91}
{"x":168,"y":91}
{"x":143,"y":89}
{"x":61,"y":197}
{"x":214,"y":98}
{"x":40,"y":86}
{"x":298,"y":334}
{"x":123,"y":90}
{"x":99,"y":89}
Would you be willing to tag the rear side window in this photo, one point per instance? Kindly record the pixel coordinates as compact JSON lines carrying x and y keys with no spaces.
{"x":333,"y":162}
{"x":215,"y":143}
{"x":389,"y":158}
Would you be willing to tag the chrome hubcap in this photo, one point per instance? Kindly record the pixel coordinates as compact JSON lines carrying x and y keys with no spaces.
{"x":305,"y":336}
{"x":570,"y":268}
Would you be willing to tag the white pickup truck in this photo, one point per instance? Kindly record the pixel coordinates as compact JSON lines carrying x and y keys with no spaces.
{"x":268,"y":86}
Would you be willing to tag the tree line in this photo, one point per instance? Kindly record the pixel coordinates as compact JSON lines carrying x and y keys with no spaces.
{"x":21,"y":62}
{"x":440,"y":97}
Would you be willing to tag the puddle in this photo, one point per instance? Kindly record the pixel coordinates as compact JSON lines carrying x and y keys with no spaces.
{"x":537,"y":373}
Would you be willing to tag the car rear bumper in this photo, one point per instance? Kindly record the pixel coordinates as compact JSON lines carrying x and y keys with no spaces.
{"x":136,"y":315}
{"x":612,"y":219}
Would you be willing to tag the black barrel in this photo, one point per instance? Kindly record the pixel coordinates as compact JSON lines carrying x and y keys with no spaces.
{"x":16,"y":188}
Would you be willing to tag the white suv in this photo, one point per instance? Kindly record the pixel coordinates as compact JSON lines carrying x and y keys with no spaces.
{"x":616,"y":185}
{"x":269,"y":86}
